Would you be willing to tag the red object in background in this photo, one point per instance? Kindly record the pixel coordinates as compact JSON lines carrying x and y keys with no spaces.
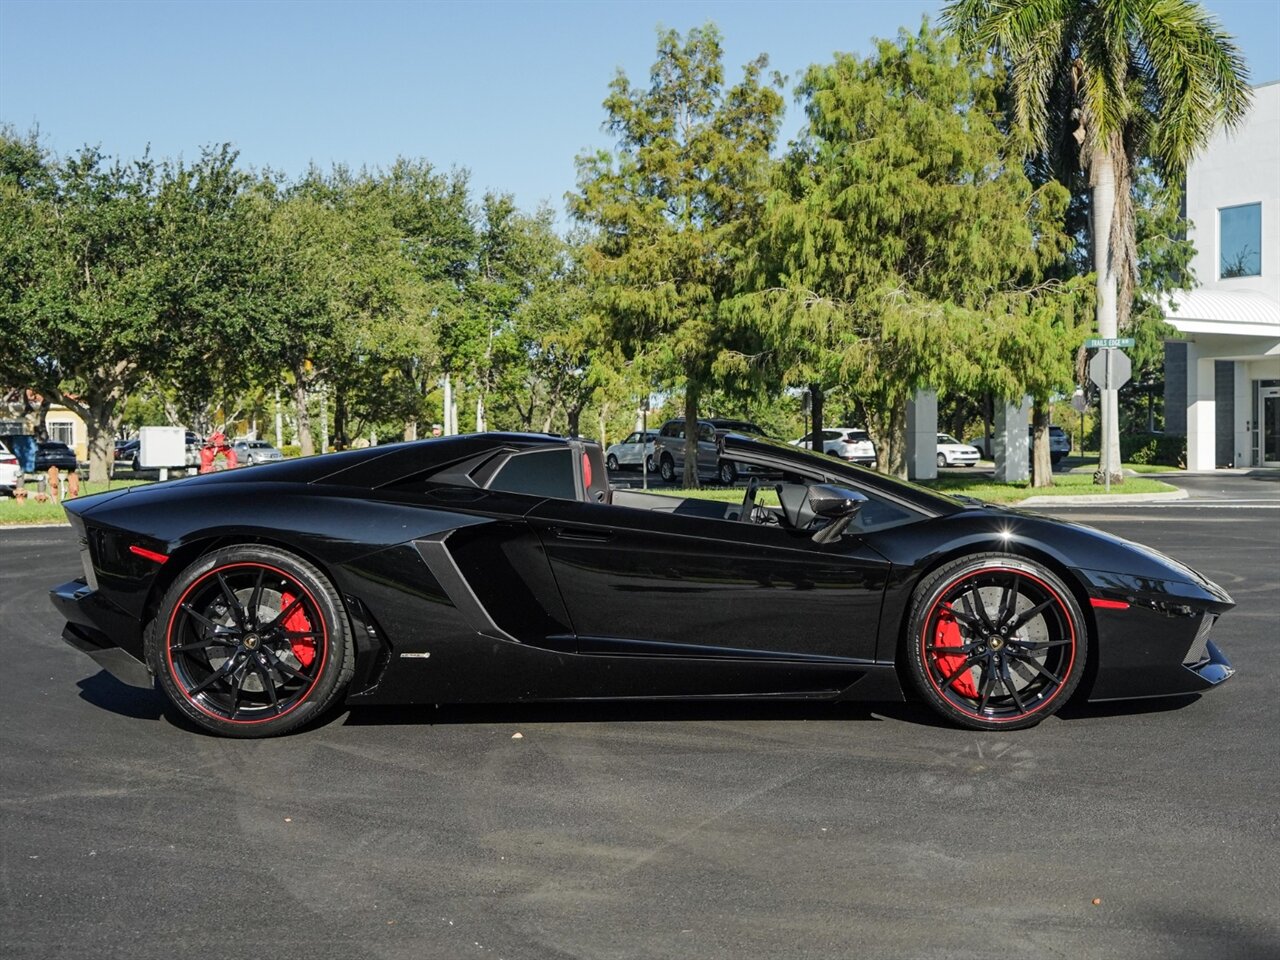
{"x":217,"y":444}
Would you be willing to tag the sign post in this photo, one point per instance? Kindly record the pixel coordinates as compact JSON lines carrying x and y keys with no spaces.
{"x":1110,"y":369}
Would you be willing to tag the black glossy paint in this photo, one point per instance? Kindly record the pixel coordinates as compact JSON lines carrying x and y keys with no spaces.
{"x":459,"y":593}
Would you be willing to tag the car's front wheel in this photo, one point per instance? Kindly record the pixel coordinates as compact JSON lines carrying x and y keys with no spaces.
{"x":727,"y":472}
{"x":251,"y":641}
{"x":942,"y":459}
{"x":995,"y":642}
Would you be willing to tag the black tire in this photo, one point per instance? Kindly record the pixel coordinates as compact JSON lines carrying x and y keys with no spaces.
{"x":611,"y":462}
{"x":942,"y":459}
{"x":250,"y":676}
{"x":667,"y":467}
{"x":649,"y":464}
{"x":727,"y":472}
{"x":1019,"y":636}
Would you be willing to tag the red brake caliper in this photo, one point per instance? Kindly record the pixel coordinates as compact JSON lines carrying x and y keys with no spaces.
{"x":949,"y":636}
{"x":304,"y":648}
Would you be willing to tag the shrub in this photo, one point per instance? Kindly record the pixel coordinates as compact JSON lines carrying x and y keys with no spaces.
{"x":1153,"y":448}
{"x":291,"y":450}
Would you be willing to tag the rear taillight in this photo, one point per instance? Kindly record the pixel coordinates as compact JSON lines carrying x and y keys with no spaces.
{"x":9,"y":461}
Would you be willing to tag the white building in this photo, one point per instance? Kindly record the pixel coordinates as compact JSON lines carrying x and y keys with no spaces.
{"x":1222,"y":381}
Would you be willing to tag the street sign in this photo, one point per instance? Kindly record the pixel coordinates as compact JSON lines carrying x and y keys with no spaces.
{"x":1110,"y":369}
{"x":1108,"y":343}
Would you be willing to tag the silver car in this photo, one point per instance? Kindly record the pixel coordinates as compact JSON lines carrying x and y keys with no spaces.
{"x":249,"y":452}
{"x":668,"y":449}
{"x":632,"y":452}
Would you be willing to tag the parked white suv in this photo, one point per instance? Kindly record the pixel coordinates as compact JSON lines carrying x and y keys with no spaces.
{"x":9,"y":471}
{"x":847,"y":443}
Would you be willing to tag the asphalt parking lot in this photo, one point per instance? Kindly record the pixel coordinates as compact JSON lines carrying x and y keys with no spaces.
{"x":707,"y":831}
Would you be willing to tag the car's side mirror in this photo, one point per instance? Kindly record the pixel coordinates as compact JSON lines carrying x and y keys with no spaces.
{"x":838,"y":504}
{"x":802,"y":505}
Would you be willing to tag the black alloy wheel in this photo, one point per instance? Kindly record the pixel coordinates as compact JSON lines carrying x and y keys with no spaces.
{"x":728,"y":473}
{"x":996,"y":642}
{"x":251,"y":641}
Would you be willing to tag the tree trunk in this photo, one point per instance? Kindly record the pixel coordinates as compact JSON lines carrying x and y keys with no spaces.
{"x":1041,"y":462}
{"x":306,"y":445}
{"x":1103,"y":203}
{"x":42,"y":414}
{"x":411,"y":429}
{"x":279,"y":421}
{"x":690,"y":478}
{"x":102,"y":424}
{"x":574,"y":414}
{"x":323,"y":393}
{"x":815,"y":390}
{"x":339,"y":420}
{"x":888,"y":430}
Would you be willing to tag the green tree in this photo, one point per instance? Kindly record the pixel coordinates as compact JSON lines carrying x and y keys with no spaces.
{"x":1105,"y":83}
{"x":673,"y":205}
{"x":903,"y":249}
{"x":113,"y":271}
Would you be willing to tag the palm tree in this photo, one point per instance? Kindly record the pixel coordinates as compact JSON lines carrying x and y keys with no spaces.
{"x":1104,"y":83}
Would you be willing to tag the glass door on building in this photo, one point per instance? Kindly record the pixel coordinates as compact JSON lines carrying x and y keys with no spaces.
{"x":1269,"y":425}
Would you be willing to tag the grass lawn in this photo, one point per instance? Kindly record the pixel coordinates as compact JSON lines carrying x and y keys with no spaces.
{"x":1064,"y":485}
{"x":13,"y":513}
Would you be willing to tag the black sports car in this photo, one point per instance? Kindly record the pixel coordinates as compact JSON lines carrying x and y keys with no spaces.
{"x":501,"y":568}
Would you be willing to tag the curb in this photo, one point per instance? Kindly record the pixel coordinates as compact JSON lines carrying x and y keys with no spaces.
{"x":1102,"y":498}
{"x":32,"y":526}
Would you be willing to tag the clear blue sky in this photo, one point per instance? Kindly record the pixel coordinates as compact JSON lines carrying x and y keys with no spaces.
{"x":511,"y":91}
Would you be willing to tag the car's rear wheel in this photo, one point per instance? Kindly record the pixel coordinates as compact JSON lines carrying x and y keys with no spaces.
{"x":251,"y":641}
{"x":611,"y":462}
{"x":667,"y":467}
{"x":727,"y":472}
{"x":995,"y":642}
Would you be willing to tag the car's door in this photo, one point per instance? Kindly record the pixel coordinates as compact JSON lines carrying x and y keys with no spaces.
{"x":684,"y":584}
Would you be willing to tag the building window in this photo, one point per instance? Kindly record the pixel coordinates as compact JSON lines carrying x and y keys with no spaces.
{"x":63,"y":432}
{"x":1240,"y":241}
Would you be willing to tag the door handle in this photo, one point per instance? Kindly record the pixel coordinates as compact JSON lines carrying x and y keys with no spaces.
{"x":586,"y":536}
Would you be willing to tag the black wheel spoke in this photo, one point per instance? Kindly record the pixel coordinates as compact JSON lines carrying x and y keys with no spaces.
{"x":1011,"y":687}
{"x":1008,"y":601}
{"x":297,"y":634}
{"x":284,"y":614}
{"x":200,"y":618}
{"x":223,"y":671}
{"x":285,"y":668}
{"x":1048,"y":674}
{"x":966,"y":620}
{"x":233,"y":601}
{"x":205,"y":644}
{"x":268,"y":682}
{"x":981,"y":614}
{"x":988,"y":685}
{"x":255,"y":598}
{"x":1043,"y":643}
{"x":956,"y":651}
{"x":1030,"y":615}
{"x":237,"y":688}
{"x":968,"y":663}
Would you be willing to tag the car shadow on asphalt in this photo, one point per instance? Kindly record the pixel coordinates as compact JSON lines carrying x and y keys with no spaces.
{"x":653,"y":711}
{"x":107,"y":693}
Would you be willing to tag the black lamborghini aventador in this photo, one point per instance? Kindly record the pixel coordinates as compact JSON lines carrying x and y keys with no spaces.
{"x":501,"y":567}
